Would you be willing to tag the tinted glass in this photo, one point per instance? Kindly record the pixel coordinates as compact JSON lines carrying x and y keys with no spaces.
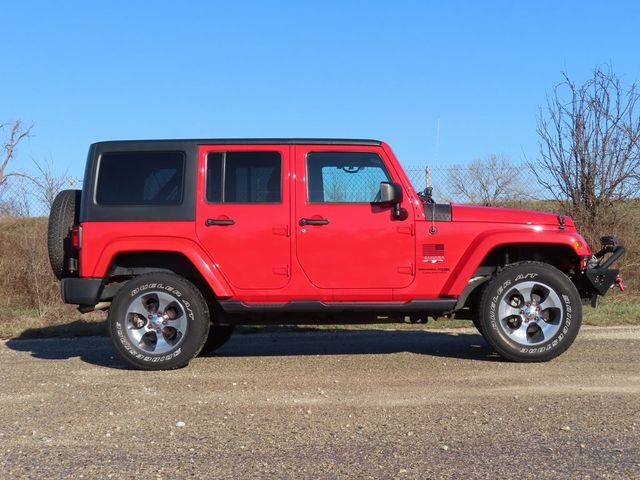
{"x":140,"y":178}
{"x":345,"y":177}
{"x":215,"y":162}
{"x":249,"y":177}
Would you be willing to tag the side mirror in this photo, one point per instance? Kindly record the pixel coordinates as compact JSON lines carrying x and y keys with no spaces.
{"x":391,"y":196}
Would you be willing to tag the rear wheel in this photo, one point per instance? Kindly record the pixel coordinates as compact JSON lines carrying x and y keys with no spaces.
{"x":530,"y":312}
{"x":158,"y":321}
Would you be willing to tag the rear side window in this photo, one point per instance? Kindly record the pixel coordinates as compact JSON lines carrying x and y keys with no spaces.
{"x":140,"y":178}
{"x":244,"y":177}
{"x":345,"y":177}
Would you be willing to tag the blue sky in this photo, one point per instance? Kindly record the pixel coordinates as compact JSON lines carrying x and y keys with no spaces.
{"x":89,"y":71}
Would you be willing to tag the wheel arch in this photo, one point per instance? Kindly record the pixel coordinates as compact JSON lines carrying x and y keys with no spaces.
{"x":560,"y":255}
{"x":124,"y":265}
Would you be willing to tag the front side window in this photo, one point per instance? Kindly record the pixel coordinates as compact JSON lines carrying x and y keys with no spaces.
{"x":345,"y":177}
{"x":140,"y":178}
{"x":244,"y":177}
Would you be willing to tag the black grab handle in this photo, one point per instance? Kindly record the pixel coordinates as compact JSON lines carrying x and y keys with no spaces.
{"x":313,"y":221}
{"x":219,"y":221}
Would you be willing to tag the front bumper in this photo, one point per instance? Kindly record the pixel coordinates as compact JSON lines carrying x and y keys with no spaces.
{"x":597,"y":278}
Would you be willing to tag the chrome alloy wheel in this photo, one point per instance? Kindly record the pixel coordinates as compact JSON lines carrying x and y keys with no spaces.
{"x":156,"y":322}
{"x":530,"y":313}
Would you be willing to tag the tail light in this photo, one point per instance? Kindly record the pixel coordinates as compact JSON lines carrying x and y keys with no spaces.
{"x":76,"y":237}
{"x":74,"y":243}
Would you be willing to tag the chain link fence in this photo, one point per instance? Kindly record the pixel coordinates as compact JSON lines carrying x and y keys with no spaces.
{"x":489,"y":183}
{"x":26,"y":197}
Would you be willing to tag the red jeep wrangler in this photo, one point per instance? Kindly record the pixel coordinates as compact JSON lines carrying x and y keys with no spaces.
{"x":180,"y":240}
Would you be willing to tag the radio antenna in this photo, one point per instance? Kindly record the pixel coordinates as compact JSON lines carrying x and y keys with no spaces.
{"x":428,"y":191}
{"x":436,"y":159}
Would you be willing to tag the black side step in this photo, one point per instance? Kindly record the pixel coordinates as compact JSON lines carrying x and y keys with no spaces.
{"x":436,"y":306}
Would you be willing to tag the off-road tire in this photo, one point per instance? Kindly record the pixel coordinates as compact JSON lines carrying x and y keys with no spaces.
{"x":516,"y":344}
{"x":171,"y":292}
{"x":64,"y":214}
{"x":218,"y":336}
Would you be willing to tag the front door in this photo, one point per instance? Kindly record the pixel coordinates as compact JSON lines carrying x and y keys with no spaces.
{"x":243,"y":216}
{"x":342,"y":240}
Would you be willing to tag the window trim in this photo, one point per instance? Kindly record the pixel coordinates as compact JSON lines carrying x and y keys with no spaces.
{"x":224,"y":173}
{"x":183,"y":158}
{"x":306,"y":166}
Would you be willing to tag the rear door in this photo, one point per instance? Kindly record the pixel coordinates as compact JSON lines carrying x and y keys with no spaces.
{"x":243,"y":214}
{"x":342,"y":240}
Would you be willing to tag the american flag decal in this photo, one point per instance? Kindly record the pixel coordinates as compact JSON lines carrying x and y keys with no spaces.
{"x":433,"y":252}
{"x":433,"y":249}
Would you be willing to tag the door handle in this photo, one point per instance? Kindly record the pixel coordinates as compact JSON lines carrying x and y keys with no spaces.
{"x":313,"y":221}
{"x":219,"y":221}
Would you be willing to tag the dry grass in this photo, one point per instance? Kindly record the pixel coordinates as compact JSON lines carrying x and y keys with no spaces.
{"x":29,"y":293}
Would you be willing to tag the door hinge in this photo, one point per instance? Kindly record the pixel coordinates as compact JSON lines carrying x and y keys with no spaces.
{"x":282,"y":270}
{"x":281,"y":230}
{"x":406,"y":229}
{"x":407,"y":269}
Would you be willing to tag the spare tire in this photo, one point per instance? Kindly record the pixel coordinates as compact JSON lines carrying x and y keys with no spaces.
{"x":65,"y":213}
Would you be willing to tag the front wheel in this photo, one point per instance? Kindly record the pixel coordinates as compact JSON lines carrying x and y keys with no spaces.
{"x":530,"y":312}
{"x":158,"y":321}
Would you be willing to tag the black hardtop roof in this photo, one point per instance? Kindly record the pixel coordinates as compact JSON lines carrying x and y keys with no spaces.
{"x":241,"y":141}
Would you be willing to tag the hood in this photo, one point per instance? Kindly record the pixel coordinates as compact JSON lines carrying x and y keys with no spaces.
{"x":474,"y":213}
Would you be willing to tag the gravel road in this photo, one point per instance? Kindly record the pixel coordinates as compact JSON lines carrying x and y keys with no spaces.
{"x":324,"y":404}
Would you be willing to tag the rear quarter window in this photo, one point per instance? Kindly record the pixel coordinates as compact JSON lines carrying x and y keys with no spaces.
{"x":140,"y":178}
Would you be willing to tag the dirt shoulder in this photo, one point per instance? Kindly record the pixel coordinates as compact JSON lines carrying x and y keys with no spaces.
{"x":324,"y":404}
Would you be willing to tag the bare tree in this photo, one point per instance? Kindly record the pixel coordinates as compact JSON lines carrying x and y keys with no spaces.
{"x":48,"y":183}
{"x":590,"y":146}
{"x":488,"y":181}
{"x":17,"y":131}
